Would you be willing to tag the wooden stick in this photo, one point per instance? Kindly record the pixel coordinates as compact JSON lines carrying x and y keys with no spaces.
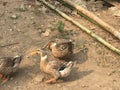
{"x":9,"y":44}
{"x":94,"y":19}
{"x":82,"y":27}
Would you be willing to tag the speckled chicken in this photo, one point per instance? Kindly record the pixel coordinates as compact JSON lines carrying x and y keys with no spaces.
{"x":57,"y":69}
{"x":9,"y":65}
{"x":61,"y":48}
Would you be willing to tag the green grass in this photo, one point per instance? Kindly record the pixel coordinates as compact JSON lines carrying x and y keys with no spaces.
{"x":60,"y":26}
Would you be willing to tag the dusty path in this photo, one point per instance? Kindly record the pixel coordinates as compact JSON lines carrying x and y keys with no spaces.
{"x":96,"y":69}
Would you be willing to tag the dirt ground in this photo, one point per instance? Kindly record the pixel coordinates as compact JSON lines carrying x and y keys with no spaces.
{"x":26,"y":27}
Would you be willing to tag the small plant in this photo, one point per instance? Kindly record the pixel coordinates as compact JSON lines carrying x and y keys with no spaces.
{"x":60,"y":26}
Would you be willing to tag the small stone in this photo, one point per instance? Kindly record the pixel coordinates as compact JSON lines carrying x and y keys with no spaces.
{"x":55,"y":18}
{"x":110,"y":73}
{"x":29,"y":6}
{"x":14,"y":16}
{"x":47,"y":33}
{"x":10,"y":29}
{"x":42,"y":25}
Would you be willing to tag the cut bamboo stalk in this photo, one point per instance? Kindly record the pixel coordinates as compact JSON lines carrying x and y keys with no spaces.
{"x":82,"y":27}
{"x":94,"y":19}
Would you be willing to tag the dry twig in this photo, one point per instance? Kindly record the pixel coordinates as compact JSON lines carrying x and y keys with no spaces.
{"x":9,"y":44}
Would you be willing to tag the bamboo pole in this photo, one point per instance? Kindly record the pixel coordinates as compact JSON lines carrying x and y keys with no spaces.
{"x":82,"y":27}
{"x":93,"y":18}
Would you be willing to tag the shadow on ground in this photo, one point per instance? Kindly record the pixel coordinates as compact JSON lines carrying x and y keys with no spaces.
{"x":81,"y":56}
{"x":76,"y":75}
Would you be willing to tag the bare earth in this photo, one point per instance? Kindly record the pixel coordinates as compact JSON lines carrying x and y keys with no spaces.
{"x":28,"y":26}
